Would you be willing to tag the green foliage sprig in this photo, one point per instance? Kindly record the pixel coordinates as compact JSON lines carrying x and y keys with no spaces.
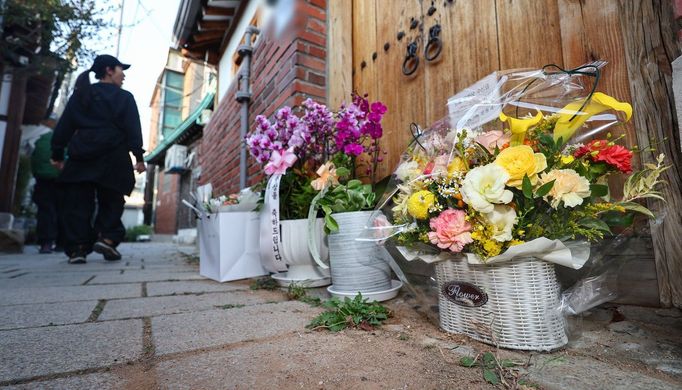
{"x":352,"y":196}
{"x":353,"y":313}
{"x":497,"y":371}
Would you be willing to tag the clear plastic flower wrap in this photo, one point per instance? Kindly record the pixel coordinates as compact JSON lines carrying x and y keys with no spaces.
{"x":518,"y":178}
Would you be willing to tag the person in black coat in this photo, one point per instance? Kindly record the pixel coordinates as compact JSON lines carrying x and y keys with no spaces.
{"x":100,"y":126}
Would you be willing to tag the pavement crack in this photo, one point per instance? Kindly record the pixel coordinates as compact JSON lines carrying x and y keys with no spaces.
{"x":144,"y":289}
{"x":149,"y":350}
{"x":97,"y":310}
{"x":89,"y":279}
{"x":10,"y":271}
{"x":46,"y":377}
{"x":17,"y":275}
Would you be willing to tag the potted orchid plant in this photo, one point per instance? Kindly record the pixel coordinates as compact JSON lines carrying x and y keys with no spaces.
{"x":347,"y":196}
{"x":291,"y":148}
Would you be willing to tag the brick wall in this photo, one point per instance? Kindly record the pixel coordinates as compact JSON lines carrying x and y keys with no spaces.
{"x":285,"y":70}
{"x":168,"y":191}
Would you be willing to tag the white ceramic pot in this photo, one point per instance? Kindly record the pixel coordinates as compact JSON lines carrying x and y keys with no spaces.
{"x":294,"y":249}
{"x":356,"y":266}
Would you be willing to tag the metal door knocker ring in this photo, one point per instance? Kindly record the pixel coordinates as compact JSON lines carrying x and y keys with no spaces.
{"x":411,"y":62}
{"x":435,"y":45}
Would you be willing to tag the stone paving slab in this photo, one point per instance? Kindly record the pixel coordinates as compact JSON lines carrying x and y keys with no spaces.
{"x":66,"y":294}
{"x":584,"y":373}
{"x":44,"y":280}
{"x":28,"y":353}
{"x":154,"y":306}
{"x":184,"y":287}
{"x":144,"y":276}
{"x":24,"y":316}
{"x":99,"y":381}
{"x":91,"y":268}
{"x":169,"y":268}
{"x":191,"y":331}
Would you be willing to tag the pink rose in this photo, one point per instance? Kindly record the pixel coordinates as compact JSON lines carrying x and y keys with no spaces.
{"x":493,"y":138}
{"x":280,"y":161}
{"x":450,"y":230}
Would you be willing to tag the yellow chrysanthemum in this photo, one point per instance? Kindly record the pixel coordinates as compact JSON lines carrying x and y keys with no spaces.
{"x":492,"y":247}
{"x":567,"y":159}
{"x":516,"y":242}
{"x":419,"y":203}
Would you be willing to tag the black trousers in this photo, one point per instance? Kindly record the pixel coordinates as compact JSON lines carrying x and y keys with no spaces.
{"x":45,"y":196}
{"x":76,"y":216}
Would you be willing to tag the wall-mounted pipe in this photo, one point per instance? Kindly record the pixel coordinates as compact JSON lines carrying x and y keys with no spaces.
{"x":243,"y":96}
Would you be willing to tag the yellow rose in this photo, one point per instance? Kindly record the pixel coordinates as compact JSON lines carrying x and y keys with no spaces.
{"x":419,"y":203}
{"x":456,"y":165}
{"x":519,"y":161}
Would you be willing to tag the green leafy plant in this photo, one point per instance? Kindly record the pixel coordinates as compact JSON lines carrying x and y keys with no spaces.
{"x":266,"y":283}
{"x":496,"y":371}
{"x":353,"y":313}
{"x":297,"y":292}
{"x":136,"y":231}
{"x":352,"y":196}
{"x":295,"y":195}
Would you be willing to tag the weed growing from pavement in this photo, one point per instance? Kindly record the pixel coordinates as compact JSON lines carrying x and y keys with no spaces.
{"x":498,"y":371}
{"x":266,"y":283}
{"x":190,"y":258}
{"x":350,"y":313}
{"x":296,"y":292}
{"x":229,"y":306}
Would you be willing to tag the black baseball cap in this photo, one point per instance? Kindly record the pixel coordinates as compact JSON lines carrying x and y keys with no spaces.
{"x":103,"y":61}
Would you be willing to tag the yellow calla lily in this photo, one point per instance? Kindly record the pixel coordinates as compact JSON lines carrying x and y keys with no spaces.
{"x":565,"y":127}
{"x":519,"y":127}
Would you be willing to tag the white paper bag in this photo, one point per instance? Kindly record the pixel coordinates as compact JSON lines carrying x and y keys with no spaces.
{"x":229,"y":247}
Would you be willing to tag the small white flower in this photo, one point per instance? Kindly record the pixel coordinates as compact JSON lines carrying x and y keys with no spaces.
{"x":484,"y":187}
{"x":503,"y":219}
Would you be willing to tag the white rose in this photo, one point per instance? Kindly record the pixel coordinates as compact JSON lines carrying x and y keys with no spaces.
{"x":485,"y":186}
{"x":407,"y":171}
{"x":503,"y":219}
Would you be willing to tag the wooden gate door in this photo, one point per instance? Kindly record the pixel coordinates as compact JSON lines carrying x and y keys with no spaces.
{"x":368,"y":41}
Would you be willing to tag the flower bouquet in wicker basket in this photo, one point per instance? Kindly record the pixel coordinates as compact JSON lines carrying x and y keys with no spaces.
{"x":513,"y":183}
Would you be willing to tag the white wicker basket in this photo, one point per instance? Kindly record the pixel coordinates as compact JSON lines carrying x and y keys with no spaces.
{"x":521,"y":311}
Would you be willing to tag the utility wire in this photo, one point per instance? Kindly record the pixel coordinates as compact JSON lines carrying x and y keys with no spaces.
{"x":120,"y":27}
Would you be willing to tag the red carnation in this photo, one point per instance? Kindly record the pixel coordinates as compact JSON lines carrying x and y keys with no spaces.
{"x":614,"y":155}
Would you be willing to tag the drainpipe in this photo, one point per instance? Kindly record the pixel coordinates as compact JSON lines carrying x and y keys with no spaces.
{"x":243,"y":96}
